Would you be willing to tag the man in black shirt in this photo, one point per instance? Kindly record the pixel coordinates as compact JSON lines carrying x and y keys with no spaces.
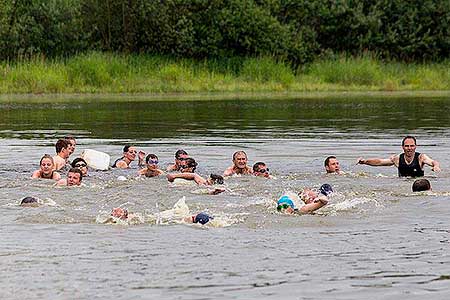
{"x":409,"y":163}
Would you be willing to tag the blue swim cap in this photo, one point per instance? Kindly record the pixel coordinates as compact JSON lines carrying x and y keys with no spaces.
{"x":325,"y":189}
{"x":287,"y":200}
{"x":202,"y":218}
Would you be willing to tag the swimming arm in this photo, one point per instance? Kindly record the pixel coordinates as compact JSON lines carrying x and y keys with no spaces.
{"x":377,"y":161}
{"x":319,"y":202}
{"x":434,"y":164}
{"x":187,"y":176}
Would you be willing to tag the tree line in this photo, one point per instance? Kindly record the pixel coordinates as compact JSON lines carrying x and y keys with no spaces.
{"x":296,"y":31}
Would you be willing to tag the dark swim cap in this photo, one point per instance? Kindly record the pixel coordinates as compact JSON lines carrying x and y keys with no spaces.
{"x":202,"y":218}
{"x":216,"y":178}
{"x":28,"y":200}
{"x":325,"y":189}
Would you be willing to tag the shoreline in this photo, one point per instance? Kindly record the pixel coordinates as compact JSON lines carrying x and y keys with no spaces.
{"x":135,"y":97}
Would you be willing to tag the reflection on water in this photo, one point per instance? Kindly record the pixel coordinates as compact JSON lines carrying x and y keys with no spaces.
{"x":257,"y":119}
{"x":375,"y":240}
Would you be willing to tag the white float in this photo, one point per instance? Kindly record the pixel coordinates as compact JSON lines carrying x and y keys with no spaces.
{"x":96,"y":159}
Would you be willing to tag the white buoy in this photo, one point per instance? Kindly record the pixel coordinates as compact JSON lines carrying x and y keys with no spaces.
{"x":96,"y":159}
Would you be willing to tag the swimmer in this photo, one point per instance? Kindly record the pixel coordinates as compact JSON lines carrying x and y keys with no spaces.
{"x":180,"y":155}
{"x":332,"y":165}
{"x":81,"y":164}
{"x":201,"y":218}
{"x":213,"y":179}
{"x":72,"y":145}
{"x":261,"y":170}
{"x":29,"y":202}
{"x":239,"y":165}
{"x":46,"y":170}
{"x":129,"y":155}
{"x":421,"y":185}
{"x":119,"y":213}
{"x":151,"y":170}
{"x":409,"y":163}
{"x":62,"y":154}
{"x":310,"y":200}
{"x":74,"y":177}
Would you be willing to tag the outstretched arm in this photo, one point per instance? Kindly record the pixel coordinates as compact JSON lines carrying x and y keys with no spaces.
{"x":187,"y":176}
{"x":434,"y":164}
{"x":377,"y":161}
{"x":319,"y":202}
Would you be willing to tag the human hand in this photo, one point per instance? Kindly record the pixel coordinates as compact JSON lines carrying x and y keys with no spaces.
{"x":170,"y":177}
{"x":141,"y":155}
{"x":361,"y":161}
{"x":436,"y":169}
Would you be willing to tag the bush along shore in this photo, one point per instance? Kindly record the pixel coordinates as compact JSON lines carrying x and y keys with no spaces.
{"x":99,"y":72}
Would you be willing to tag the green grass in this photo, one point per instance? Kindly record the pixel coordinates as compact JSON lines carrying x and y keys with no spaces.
{"x":97,"y":72}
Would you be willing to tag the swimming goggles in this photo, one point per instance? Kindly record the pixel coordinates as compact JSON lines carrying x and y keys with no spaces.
{"x":283,"y":206}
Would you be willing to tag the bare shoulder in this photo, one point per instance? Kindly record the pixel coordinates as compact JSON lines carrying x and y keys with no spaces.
{"x":228,"y":171}
{"x":121,"y":164}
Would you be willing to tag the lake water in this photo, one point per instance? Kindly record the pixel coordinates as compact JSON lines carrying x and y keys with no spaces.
{"x":376,"y":240}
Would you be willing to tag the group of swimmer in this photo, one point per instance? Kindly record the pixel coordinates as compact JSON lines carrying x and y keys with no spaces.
{"x":409,"y":163}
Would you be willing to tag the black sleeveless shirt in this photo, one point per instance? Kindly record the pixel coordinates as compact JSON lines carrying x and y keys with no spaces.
{"x":413,"y":169}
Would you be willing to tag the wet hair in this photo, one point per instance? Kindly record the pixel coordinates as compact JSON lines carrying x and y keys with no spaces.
{"x":126,"y":148}
{"x":69,"y":138}
{"x":257,"y":166}
{"x":77,"y":160}
{"x":28,"y":200}
{"x":421,"y":185}
{"x":327,"y":160}
{"x":239,"y":152}
{"x":46,"y":156}
{"x":216,"y":178}
{"x":409,"y":137}
{"x":76,"y":170}
{"x":150,"y":156}
{"x":191,"y":163}
{"x":61,"y":144}
{"x":179,"y":153}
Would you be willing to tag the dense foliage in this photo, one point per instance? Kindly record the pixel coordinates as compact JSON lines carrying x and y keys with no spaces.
{"x":294,"y":30}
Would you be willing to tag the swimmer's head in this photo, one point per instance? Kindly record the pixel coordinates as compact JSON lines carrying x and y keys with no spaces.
{"x":421,"y":185}
{"x":285,"y":204}
{"x":120,"y":213}
{"x":326,"y":189}
{"x":29,"y":202}
{"x":202,"y":218}
{"x":216,"y":179}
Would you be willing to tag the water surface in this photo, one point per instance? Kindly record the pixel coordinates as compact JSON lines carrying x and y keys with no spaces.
{"x":375,"y":240}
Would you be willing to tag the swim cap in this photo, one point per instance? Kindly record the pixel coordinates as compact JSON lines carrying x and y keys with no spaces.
{"x":28,"y":200}
{"x":287,"y":200}
{"x":325,"y":189}
{"x":202,"y":218}
{"x":216,"y":178}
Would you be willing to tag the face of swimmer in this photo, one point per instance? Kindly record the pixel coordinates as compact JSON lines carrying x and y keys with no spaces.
{"x":120,"y":213}
{"x":333,"y":165}
{"x":409,"y":147}
{"x":46,"y":166}
{"x":240,"y":160}
{"x":73,"y":178}
{"x":261,"y":170}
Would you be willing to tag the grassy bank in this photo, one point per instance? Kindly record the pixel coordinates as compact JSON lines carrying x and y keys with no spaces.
{"x":109,"y":73}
